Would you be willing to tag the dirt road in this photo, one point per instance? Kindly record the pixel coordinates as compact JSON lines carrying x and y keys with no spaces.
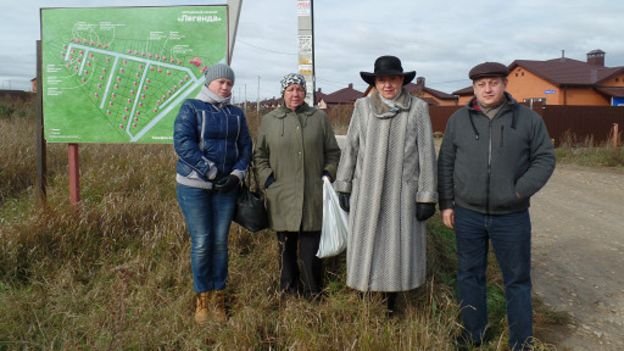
{"x":578,"y":255}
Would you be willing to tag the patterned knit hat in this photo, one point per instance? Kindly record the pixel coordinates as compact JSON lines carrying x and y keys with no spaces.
{"x":220,"y":70}
{"x":292,"y":78}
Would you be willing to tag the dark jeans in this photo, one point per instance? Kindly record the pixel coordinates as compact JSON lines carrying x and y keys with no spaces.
{"x":511,"y":239}
{"x":311,"y":273}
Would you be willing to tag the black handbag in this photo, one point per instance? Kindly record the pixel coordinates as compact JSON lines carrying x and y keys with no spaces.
{"x":251,"y":213}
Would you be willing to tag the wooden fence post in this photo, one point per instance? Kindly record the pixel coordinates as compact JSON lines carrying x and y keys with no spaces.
{"x":616,"y":135}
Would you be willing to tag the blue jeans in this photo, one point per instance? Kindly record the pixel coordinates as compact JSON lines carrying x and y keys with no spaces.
{"x":511,"y":239}
{"x":208,"y":215}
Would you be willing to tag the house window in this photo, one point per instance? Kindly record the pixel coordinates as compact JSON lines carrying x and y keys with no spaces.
{"x":535,"y":102}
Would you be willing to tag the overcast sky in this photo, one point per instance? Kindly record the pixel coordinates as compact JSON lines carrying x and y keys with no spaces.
{"x":440,"y":39}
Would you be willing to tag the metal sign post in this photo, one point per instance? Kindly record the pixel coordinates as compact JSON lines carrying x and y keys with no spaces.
{"x":234,"y":9}
{"x":40,"y":141}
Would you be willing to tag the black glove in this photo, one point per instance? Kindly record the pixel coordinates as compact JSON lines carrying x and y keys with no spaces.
{"x":424,"y":210}
{"x":270,"y":180}
{"x":344,"y":200}
{"x":227,"y":184}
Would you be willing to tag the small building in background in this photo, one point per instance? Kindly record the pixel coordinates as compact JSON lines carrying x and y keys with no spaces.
{"x":318,"y":99}
{"x":431,"y":96}
{"x":344,"y":96}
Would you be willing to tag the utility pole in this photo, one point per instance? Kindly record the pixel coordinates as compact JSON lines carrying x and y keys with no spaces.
{"x":305,"y":37}
{"x":258,"y":99}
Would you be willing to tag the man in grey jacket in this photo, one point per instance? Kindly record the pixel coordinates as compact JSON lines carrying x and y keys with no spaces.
{"x":495,"y":155}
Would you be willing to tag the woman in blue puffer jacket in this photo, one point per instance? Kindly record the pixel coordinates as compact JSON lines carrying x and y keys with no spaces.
{"x":212,"y":142}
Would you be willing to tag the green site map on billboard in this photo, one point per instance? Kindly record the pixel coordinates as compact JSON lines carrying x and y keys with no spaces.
{"x":120,"y":74}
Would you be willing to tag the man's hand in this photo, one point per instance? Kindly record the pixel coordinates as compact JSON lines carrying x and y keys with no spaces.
{"x":448,"y":217}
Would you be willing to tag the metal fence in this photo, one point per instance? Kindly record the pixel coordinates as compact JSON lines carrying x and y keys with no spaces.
{"x":571,"y":124}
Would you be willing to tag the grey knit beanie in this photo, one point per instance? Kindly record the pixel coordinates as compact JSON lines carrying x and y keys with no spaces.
{"x":292,"y":78}
{"x":220,"y":70}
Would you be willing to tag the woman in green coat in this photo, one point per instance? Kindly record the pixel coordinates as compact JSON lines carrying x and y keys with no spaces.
{"x":295,"y":147}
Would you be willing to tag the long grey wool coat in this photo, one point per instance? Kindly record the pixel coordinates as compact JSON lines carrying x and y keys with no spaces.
{"x":388,"y":164}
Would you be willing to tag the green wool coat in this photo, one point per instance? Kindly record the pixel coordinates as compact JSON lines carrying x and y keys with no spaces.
{"x":296,"y":148}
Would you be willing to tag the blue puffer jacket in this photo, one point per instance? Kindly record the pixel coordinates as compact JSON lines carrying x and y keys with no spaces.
{"x":211,"y":142}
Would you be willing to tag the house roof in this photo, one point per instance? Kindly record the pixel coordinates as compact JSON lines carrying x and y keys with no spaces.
{"x":464,"y":91}
{"x":270,"y":102}
{"x":611,"y":91}
{"x":567,"y":71}
{"x":412,"y":88}
{"x":318,"y":96}
{"x":343,"y":96}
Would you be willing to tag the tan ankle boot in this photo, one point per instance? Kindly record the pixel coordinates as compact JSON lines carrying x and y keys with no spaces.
{"x":219,"y":304}
{"x":202,"y":302}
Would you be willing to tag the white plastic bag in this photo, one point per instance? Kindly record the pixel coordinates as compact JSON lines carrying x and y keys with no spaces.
{"x":335,"y":224}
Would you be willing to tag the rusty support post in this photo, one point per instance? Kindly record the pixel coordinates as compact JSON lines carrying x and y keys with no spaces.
{"x":74,"y":174}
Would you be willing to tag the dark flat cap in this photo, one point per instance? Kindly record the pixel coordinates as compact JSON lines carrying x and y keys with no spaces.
{"x":488,"y":69}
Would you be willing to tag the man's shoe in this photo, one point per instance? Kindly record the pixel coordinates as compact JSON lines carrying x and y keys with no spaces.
{"x":465,"y":343}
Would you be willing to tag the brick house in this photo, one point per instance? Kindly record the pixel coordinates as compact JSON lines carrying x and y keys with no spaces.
{"x":563,"y":81}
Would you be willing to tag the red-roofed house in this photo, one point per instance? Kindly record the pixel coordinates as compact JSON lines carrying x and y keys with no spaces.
{"x":564,"y":81}
{"x":344,"y":96}
{"x":318,"y":99}
{"x":431,"y":96}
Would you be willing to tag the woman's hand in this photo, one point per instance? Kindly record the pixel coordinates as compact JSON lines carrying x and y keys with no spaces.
{"x":344,"y":199}
{"x":424,"y":210}
{"x":227,"y":184}
{"x":270,"y":180}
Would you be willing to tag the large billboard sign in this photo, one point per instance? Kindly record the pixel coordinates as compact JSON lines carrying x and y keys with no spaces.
{"x":120,"y":74}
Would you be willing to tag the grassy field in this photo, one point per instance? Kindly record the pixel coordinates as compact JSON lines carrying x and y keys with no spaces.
{"x":115,"y":273}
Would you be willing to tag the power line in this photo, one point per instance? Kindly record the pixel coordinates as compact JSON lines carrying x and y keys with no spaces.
{"x":267,"y":50}
{"x":450,"y":81}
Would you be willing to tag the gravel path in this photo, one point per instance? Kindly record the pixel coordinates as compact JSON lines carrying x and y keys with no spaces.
{"x":578,"y":255}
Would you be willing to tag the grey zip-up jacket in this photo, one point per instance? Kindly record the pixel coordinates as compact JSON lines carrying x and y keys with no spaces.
{"x":494,"y":166}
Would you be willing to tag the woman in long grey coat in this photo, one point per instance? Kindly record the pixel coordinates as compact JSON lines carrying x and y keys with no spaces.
{"x":387,"y":180}
{"x":295,"y":147}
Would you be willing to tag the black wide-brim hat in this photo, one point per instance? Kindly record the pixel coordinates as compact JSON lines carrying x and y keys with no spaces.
{"x":388,"y":66}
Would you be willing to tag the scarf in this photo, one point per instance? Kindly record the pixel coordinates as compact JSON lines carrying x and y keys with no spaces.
{"x":386,"y":108}
{"x":206,"y":95}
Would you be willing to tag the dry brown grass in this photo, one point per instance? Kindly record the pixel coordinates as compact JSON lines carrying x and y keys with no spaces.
{"x":586,"y":152}
{"x":115,"y":274}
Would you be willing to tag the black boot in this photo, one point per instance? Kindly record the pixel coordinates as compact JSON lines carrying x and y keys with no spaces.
{"x":391,"y":298}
